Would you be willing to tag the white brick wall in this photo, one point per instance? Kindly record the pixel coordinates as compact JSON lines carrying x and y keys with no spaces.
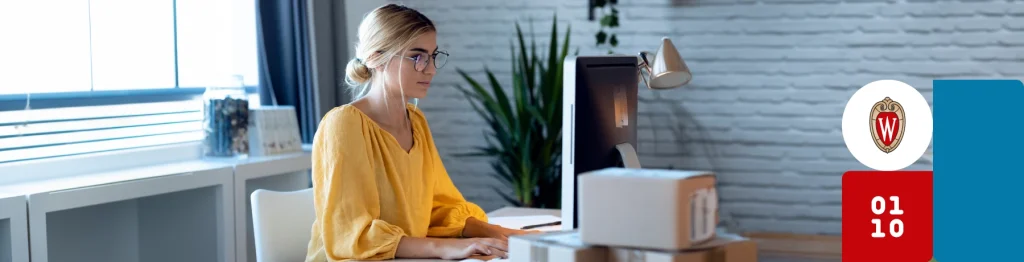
{"x":771,"y":79}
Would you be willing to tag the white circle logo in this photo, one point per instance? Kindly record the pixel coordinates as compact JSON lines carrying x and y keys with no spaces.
{"x":887,"y":125}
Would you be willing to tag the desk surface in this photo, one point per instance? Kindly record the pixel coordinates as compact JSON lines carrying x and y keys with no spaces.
{"x":517,"y":211}
{"x":502,"y":212}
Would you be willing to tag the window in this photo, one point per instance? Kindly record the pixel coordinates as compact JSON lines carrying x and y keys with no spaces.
{"x":82,"y":76}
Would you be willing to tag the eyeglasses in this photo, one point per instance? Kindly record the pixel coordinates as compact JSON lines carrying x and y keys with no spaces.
{"x":420,"y":60}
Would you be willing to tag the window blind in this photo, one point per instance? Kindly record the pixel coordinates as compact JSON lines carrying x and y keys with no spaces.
{"x":55,"y":132}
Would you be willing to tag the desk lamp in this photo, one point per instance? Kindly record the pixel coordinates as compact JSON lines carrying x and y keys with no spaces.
{"x":600,"y":111}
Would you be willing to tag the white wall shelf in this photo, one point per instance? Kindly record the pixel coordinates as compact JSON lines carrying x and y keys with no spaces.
{"x":13,"y":229}
{"x":174,"y":212}
{"x":190,"y":210}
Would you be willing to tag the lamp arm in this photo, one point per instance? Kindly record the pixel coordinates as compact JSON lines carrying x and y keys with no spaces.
{"x":640,"y":74}
{"x":644,"y":63}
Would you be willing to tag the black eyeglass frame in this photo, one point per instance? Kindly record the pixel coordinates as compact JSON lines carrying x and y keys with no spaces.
{"x":433,"y":57}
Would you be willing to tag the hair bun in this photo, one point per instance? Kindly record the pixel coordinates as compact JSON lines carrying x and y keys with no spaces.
{"x":356,"y":72}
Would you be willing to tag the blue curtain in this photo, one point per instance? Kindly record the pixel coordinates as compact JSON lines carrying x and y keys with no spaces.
{"x":285,"y":62}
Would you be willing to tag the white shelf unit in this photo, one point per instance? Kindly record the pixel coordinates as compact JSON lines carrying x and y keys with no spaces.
{"x":189,"y":210}
{"x":286,"y":172}
{"x":174,"y":212}
{"x":13,"y":229}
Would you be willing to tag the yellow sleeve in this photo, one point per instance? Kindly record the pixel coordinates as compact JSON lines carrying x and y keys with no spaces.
{"x":346,"y":199}
{"x":450,"y":210}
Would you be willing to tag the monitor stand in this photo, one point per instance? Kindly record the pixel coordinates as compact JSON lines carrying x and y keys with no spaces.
{"x":629,"y":158}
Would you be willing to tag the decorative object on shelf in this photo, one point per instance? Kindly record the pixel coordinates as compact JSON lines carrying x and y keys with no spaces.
{"x":609,"y":21}
{"x":274,"y":130}
{"x":525,"y":131}
{"x":226,"y":121}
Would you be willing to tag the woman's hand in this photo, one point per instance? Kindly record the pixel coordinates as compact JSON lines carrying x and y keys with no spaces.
{"x":476,"y":228}
{"x":461,"y":248}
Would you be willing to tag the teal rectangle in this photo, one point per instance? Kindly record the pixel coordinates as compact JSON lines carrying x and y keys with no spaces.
{"x":979,"y":170}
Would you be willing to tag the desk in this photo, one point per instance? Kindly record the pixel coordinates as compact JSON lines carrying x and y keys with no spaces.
{"x":503,"y":212}
{"x":517,"y":211}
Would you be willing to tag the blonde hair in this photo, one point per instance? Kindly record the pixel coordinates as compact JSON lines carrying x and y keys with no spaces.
{"x":384,"y":33}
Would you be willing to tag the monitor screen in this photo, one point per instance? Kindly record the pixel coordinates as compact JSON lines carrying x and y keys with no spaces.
{"x":600,"y":112}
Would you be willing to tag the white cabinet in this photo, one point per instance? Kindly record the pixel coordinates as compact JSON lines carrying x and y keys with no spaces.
{"x":13,"y":229}
{"x":175,"y":212}
{"x":195,"y":210}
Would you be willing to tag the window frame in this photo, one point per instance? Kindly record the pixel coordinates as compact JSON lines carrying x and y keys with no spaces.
{"x":105,"y":97}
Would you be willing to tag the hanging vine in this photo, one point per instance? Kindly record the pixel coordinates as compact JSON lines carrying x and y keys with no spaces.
{"x":609,"y":21}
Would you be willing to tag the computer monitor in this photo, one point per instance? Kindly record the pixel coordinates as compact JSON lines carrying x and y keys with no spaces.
{"x":599,"y":121}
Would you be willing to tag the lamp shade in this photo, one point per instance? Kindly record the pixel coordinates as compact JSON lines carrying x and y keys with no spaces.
{"x":668,"y":70}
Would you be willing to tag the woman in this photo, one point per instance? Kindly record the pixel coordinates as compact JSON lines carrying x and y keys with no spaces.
{"x":381,"y":190}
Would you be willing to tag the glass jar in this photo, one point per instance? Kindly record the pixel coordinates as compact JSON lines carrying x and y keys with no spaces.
{"x":226,"y":121}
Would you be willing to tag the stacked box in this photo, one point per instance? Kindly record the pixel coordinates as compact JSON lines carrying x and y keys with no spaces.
{"x":640,"y":215}
{"x":564,"y":246}
{"x":647,"y":208}
{"x":724,"y":248}
{"x":567,"y":246}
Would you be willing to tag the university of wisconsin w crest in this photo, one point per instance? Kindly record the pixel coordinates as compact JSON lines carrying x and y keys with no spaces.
{"x":890,"y":143}
{"x":888,"y":122}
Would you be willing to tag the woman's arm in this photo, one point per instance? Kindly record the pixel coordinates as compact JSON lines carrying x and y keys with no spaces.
{"x":450,"y":248}
{"x":476,"y":228}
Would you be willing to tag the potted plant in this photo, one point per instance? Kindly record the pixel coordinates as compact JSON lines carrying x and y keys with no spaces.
{"x":525,"y":127}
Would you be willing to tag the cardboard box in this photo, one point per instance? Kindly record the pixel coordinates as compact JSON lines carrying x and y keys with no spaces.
{"x":647,"y":208}
{"x":563,"y":246}
{"x":724,"y":248}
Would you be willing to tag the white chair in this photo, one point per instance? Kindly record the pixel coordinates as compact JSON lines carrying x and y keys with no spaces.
{"x":281,"y":223}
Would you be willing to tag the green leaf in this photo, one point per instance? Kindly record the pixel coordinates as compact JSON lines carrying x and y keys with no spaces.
{"x":614,"y":41}
{"x":487,"y":101}
{"x":600,"y":3}
{"x":535,"y":113}
{"x":526,"y":65}
{"x":601,"y":36}
{"x":489,"y":116}
{"x":552,"y":58}
{"x":533,"y":59}
{"x":502,"y":173}
{"x":614,"y":20}
{"x":606,"y":20}
{"x":499,"y":93}
{"x":521,"y":96}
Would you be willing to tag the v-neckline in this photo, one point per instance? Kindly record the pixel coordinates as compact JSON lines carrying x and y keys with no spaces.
{"x":391,"y":137}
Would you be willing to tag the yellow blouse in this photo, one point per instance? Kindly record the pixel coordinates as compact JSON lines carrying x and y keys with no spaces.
{"x":369,"y":192}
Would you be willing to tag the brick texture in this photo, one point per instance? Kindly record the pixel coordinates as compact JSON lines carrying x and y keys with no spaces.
{"x":771,"y":79}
